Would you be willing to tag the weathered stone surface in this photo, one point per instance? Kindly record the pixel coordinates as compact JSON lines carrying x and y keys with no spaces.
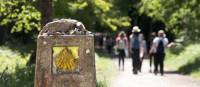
{"x":64,"y":26}
{"x":44,"y":75}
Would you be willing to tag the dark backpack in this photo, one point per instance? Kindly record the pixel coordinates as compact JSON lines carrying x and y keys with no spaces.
{"x":160,"y":47}
{"x":136,"y":43}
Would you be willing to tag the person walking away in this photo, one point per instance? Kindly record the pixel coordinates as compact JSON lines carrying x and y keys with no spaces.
{"x":143,"y":50}
{"x":151,"y":54}
{"x":109,"y":45}
{"x":159,"y":43}
{"x":135,"y":48}
{"x":121,"y":43}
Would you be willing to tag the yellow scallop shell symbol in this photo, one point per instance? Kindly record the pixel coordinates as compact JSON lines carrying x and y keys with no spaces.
{"x":65,"y":60}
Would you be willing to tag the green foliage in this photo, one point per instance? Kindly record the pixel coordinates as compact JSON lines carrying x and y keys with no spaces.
{"x":10,"y":59}
{"x":13,"y":69}
{"x":186,"y":62}
{"x":97,"y":15}
{"x":21,"y":15}
{"x":106,"y":13}
{"x":180,"y":16}
{"x":23,"y":77}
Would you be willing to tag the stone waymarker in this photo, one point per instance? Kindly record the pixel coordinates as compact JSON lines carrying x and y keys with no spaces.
{"x":65,"y":55}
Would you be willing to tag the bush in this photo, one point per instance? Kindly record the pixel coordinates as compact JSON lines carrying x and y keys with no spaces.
{"x":23,"y":77}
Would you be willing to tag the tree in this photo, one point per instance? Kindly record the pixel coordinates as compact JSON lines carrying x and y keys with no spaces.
{"x":97,"y":15}
{"x":180,"y":16}
{"x":21,"y":15}
{"x":46,"y":9}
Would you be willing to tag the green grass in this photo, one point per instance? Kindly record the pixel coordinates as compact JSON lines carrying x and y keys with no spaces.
{"x":11,"y":59}
{"x":13,"y":69}
{"x":106,"y":70}
{"x":186,"y":62}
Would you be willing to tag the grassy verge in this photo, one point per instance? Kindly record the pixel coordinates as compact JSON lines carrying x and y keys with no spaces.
{"x":106,"y":70}
{"x":186,"y":62}
{"x":13,"y":70}
{"x":11,"y":59}
{"x":15,"y":73}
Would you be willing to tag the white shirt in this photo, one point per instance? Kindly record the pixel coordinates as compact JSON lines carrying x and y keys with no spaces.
{"x":156,"y":41}
{"x":122,"y":44}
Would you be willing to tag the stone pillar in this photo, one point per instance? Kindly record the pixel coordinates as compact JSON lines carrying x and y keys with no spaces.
{"x":65,"y":55}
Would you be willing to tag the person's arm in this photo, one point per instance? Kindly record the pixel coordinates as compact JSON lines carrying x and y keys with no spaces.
{"x":117,"y":42}
{"x":153,"y":46}
{"x":130,"y":43}
{"x":142,"y":49}
{"x":166,"y":42}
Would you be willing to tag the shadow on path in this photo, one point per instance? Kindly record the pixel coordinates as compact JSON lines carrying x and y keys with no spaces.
{"x":172,"y":72}
{"x":190,"y":67}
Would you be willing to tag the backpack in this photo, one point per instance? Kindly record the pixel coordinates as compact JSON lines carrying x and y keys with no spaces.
{"x":136,"y":43}
{"x":160,"y":47}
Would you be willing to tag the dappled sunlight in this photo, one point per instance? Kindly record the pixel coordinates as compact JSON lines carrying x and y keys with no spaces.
{"x":22,"y":20}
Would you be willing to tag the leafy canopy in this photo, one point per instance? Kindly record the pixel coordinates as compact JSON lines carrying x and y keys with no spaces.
{"x":20,"y":14}
{"x":106,"y":13}
{"x":180,"y":16}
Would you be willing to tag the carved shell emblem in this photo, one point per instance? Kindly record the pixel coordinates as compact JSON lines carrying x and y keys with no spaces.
{"x":66,"y":59}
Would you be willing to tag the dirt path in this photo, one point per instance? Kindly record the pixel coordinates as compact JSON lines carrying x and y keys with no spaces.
{"x":146,"y":79}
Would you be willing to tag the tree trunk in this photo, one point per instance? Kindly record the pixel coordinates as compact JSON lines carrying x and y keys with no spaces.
{"x":46,"y":9}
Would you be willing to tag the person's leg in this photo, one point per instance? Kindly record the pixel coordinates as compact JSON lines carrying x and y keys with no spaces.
{"x":162,"y":57}
{"x":123,"y":60}
{"x":134,"y":63}
{"x":132,"y":56}
{"x":133,"y":68}
{"x":150,"y":60}
{"x":119,"y":56}
{"x":137,"y":59}
{"x":119,"y":62}
{"x":123,"y":63}
{"x":140,"y":65}
{"x":156,"y":63}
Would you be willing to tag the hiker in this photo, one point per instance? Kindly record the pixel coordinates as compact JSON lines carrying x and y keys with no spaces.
{"x":135,"y":42}
{"x":143,"y":50}
{"x":109,"y":45}
{"x":121,"y":43}
{"x":159,"y":43}
{"x":151,"y":54}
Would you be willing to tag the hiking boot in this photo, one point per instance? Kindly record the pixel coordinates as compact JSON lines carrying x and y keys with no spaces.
{"x":155,"y":72}
{"x":162,"y":74}
{"x":135,"y":72}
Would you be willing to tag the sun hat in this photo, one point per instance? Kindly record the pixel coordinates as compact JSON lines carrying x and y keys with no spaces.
{"x":136,"y":29}
{"x":161,"y":32}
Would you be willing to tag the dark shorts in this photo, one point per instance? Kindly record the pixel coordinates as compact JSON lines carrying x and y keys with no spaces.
{"x":121,"y":53}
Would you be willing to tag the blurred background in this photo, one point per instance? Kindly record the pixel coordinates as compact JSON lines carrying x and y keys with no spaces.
{"x":21,"y":21}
